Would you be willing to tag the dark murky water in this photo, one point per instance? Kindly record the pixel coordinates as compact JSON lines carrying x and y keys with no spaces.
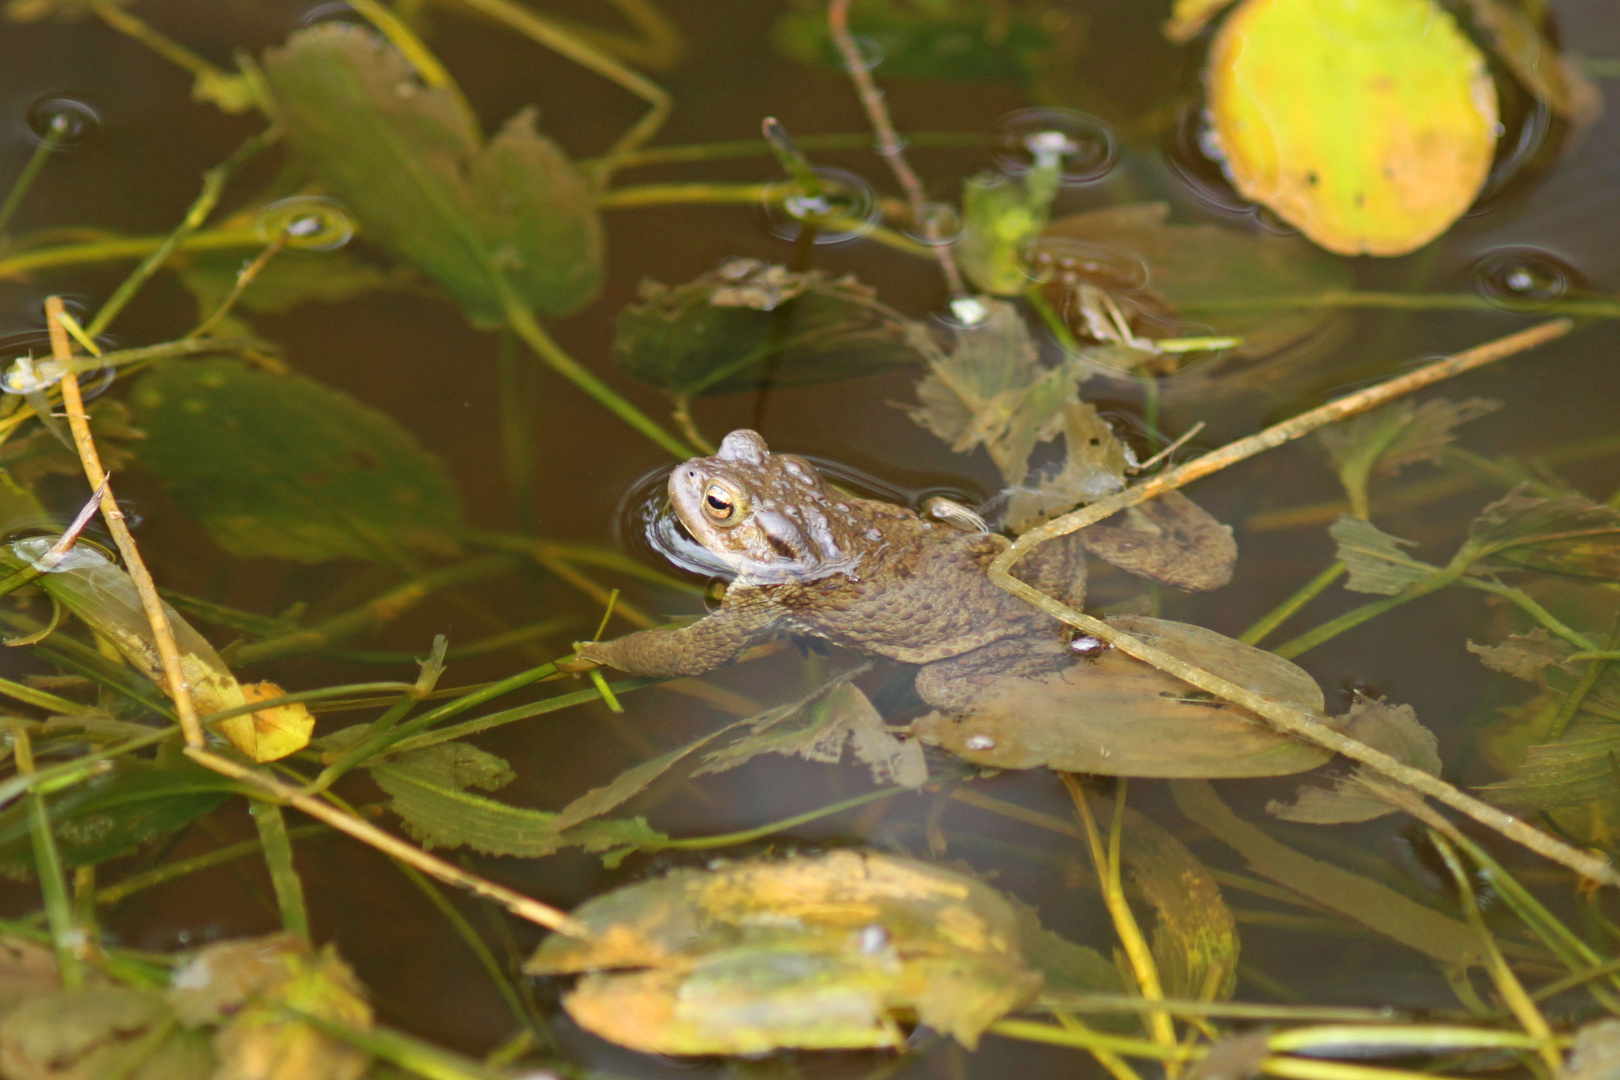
{"x":419,"y":362}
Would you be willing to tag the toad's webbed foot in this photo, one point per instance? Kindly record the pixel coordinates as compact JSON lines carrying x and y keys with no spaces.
{"x":697,"y":649}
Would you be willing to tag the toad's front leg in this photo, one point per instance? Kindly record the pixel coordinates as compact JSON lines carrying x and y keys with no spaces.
{"x":709,"y":643}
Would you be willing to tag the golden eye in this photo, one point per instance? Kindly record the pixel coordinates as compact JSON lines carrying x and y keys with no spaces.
{"x":719,"y":504}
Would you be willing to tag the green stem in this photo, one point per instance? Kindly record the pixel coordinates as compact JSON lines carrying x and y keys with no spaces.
{"x":22,"y":264}
{"x":278,"y":856}
{"x":1284,"y":611}
{"x":1351,"y":619}
{"x":162,"y":875}
{"x":1528,"y":604}
{"x":1601,"y":309}
{"x":26,"y":178}
{"x":214,"y":181}
{"x":704,"y":843}
{"x":523,"y":323}
{"x":1583,"y":686}
{"x":665,"y":155}
{"x":64,"y":773}
{"x":521,"y":712}
{"x":397,"y":1048}
{"x":65,"y":933}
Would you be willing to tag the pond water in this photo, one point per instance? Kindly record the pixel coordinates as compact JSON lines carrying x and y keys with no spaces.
{"x":411,"y":354}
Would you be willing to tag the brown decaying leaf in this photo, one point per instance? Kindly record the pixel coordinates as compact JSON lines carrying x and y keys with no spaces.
{"x":1236,"y":1057}
{"x":1596,"y":1055}
{"x":1526,"y":656}
{"x":1374,"y":558}
{"x":1364,"y":795}
{"x":1376,"y":906}
{"x":1094,"y":463}
{"x":1116,"y":716}
{"x":1170,"y":539}
{"x":1401,"y":434}
{"x":1565,"y":534}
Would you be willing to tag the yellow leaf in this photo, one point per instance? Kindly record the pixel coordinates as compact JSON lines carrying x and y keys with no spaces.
{"x":1367,"y":124}
{"x":269,"y":734}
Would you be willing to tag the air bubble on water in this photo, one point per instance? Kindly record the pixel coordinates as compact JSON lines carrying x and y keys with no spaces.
{"x":308,"y":222}
{"x":335,"y":11}
{"x":870,"y":50}
{"x":1081,"y":147}
{"x":82,"y":555}
{"x":844,"y":209}
{"x":1194,"y":157}
{"x":62,"y":120}
{"x":1068,"y":261}
{"x":1522,"y":278}
{"x":940,"y":225}
{"x":27,"y":375}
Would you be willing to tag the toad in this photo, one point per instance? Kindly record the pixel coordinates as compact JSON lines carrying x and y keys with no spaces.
{"x":861,"y":573}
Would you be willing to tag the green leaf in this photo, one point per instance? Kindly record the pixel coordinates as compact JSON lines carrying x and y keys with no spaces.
{"x":407,"y":160}
{"x":1364,"y":794}
{"x":1577,"y":770}
{"x":1384,"y":441}
{"x":284,"y":466}
{"x":628,"y":784}
{"x":1565,"y":534}
{"x":1526,"y":656}
{"x":430,"y":794}
{"x":1001,"y":215}
{"x":960,"y":40}
{"x":289,"y":279}
{"x":748,"y":321}
{"x":1375,"y":559}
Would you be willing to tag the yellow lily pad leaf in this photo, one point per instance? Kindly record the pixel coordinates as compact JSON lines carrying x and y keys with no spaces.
{"x":269,"y":734}
{"x":1367,"y":124}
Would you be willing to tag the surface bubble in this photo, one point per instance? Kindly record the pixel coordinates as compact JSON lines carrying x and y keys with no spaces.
{"x":335,"y":11}
{"x":1082,"y":146}
{"x":1521,"y":278}
{"x":846,"y":207}
{"x":63,"y":121}
{"x":308,"y":222}
{"x":941,"y":225}
{"x":870,"y":50}
{"x":1193,"y":156}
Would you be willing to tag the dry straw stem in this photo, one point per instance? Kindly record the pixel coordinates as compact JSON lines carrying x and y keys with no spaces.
{"x":1295,"y":721}
{"x":73,"y":403}
{"x":522,"y":906}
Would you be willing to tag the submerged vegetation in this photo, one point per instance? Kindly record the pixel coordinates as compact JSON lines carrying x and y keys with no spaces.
{"x":1101,"y":356}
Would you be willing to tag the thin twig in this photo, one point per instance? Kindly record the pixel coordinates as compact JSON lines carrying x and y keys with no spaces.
{"x":243,"y":279}
{"x":522,"y":906}
{"x":162,"y":634}
{"x":1296,"y":721}
{"x":889,"y":144}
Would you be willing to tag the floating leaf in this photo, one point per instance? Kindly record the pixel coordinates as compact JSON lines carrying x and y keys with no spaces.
{"x":1116,"y":716}
{"x":408,"y":161}
{"x":1376,"y":906}
{"x":1525,"y":656}
{"x":1566,"y":534}
{"x":284,"y":466}
{"x":252,"y":988}
{"x":96,"y":1032}
{"x":750,"y":321}
{"x":960,"y":40}
{"x":1375,"y":559}
{"x":1364,"y":794}
{"x":1368,"y":125}
{"x":1169,"y":539}
{"x":1596,"y":1055}
{"x":819,"y":952}
{"x":1202,"y":279}
{"x":992,"y":390}
{"x":428,"y":789}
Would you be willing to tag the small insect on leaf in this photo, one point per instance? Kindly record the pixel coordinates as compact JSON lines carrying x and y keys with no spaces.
{"x":1367,"y":124}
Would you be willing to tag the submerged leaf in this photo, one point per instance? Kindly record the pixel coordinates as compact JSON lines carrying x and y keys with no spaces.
{"x":1094,"y":464}
{"x":428,"y":790}
{"x":1525,"y":656}
{"x":407,"y":159}
{"x":628,"y":784}
{"x":1375,"y":559}
{"x":960,"y":40}
{"x":1116,"y":716}
{"x":1382,"y":442}
{"x":287,"y":281}
{"x":1596,"y":1055}
{"x":284,"y":466}
{"x":1169,"y":539}
{"x":1566,"y":534}
{"x":1001,"y":215}
{"x":749,"y":322}
{"x":1580,"y":769}
{"x":815,"y":952}
{"x":1365,"y":794}
{"x":1375,"y":906}
{"x":1369,"y":126}
{"x":1535,"y":62}
{"x":87,"y":1034}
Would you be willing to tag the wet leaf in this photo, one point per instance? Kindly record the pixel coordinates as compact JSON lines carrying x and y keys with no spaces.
{"x":812,"y":952}
{"x":1375,"y":906}
{"x":290,"y":279}
{"x":115,"y":812}
{"x":628,"y":784}
{"x":97,"y":1032}
{"x":1566,"y":534}
{"x":269,"y":734}
{"x":1195,"y":939}
{"x":27,"y":970}
{"x":959,"y":40}
{"x":1525,"y":656}
{"x":408,"y":161}
{"x":1364,"y":794}
{"x":249,"y":987}
{"x":1576,"y":771}
{"x":429,"y":791}
{"x":1369,"y":126}
{"x":284,"y":466}
{"x":1065,"y":966}
{"x":992,"y":390}
{"x":1384,"y":441}
{"x":1206,"y":278}
{"x":749,"y":322}
{"x":1236,"y":1057}
{"x":817,"y":728}
{"x":40,"y":454}
{"x":1116,"y":716}
{"x":1169,"y":539}
{"x":1596,"y":1055}
{"x":1093,"y":466}
{"x":1375,"y":559}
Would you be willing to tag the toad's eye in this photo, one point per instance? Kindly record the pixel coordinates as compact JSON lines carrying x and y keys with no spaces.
{"x":720,"y":504}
